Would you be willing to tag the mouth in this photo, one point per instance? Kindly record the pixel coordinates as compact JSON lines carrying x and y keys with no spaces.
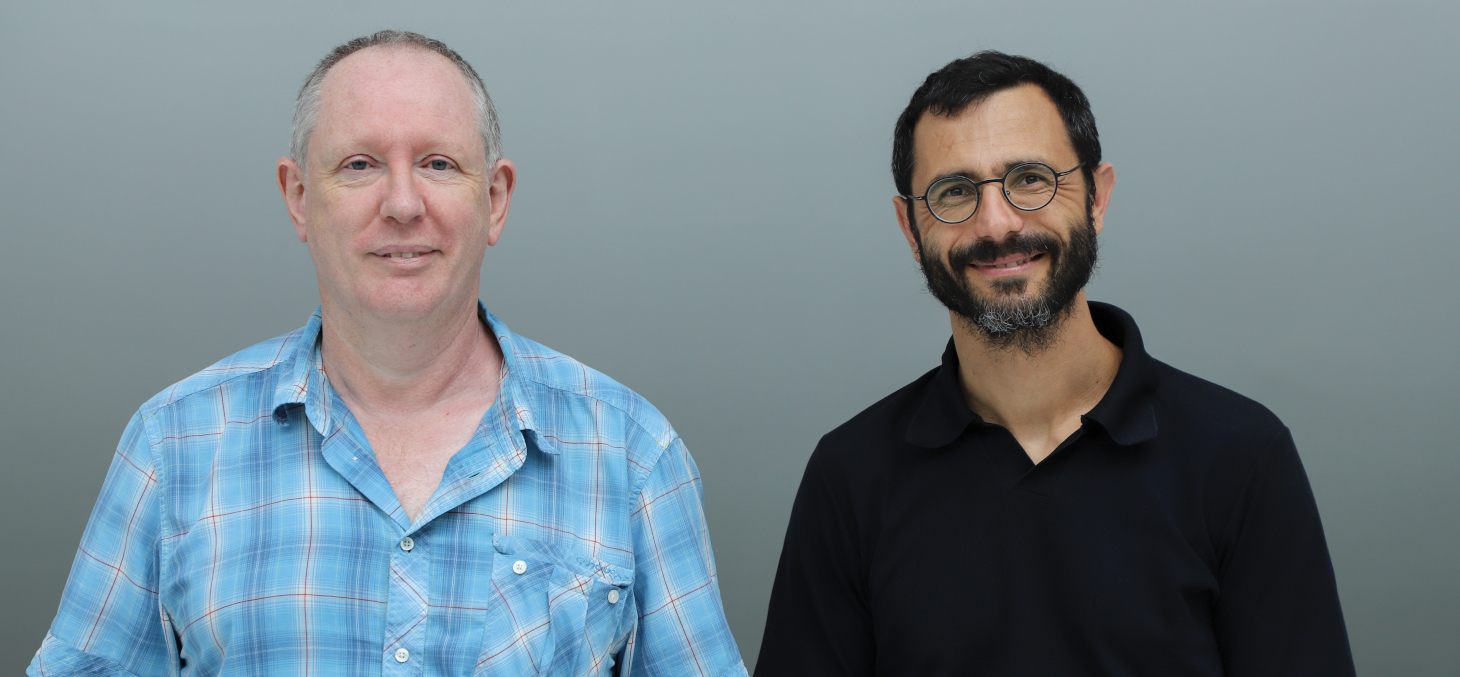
{"x":1008,"y":265}
{"x":405,"y":255}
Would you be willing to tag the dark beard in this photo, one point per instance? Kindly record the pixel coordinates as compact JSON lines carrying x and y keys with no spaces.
{"x":1028,"y":324}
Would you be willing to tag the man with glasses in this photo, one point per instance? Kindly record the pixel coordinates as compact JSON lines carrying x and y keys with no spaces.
{"x":404,"y":486}
{"x":1051,"y":500}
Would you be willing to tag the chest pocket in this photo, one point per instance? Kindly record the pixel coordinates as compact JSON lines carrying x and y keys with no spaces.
{"x":553,"y":613}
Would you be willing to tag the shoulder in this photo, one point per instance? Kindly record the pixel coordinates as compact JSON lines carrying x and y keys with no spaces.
{"x":569,"y":398}
{"x":562,"y":376}
{"x":1225,"y":441}
{"x":871,"y":438}
{"x":252,"y":362}
{"x":1196,"y":405}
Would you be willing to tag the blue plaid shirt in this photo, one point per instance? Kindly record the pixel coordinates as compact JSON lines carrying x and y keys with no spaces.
{"x":245,"y":528}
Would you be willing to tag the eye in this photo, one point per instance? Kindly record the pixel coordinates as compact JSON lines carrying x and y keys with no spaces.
{"x":1029,"y":179}
{"x":359,"y":165}
{"x":952,"y":192}
{"x":439,"y":165}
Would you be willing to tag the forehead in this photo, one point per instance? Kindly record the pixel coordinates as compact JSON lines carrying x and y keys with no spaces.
{"x":401,"y":89}
{"x":1013,"y":125}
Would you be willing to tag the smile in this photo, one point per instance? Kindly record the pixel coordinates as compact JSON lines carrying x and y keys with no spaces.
{"x":1009,"y":263}
{"x":404,"y":256}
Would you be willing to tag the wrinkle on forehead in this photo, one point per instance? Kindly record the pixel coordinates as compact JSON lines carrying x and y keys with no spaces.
{"x":366,"y":92}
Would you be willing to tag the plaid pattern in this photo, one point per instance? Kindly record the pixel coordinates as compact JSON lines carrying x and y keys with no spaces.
{"x":245,"y":528}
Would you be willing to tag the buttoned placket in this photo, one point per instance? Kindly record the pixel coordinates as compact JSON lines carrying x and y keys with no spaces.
{"x":492,"y":455}
{"x":407,"y":598}
{"x":496,"y":455}
{"x":406,"y":605}
{"x":407,"y":602}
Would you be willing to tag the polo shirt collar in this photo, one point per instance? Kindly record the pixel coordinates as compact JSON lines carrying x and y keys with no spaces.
{"x":1126,"y":411}
{"x":943,"y":415}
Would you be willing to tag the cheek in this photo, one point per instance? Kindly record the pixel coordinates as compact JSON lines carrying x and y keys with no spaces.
{"x":343,"y":223}
{"x":930,"y":252}
{"x":469,"y":223}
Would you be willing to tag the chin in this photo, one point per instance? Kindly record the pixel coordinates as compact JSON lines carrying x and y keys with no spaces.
{"x":403,"y":303}
{"x":1023,"y":287}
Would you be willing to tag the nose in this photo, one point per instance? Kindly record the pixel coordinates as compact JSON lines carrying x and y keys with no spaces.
{"x":995,"y":219}
{"x":403,"y":201}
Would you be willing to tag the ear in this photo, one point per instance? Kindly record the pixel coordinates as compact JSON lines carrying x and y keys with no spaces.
{"x":1104,"y":183}
{"x":899,"y":206}
{"x":500,"y":182}
{"x":291,"y":184}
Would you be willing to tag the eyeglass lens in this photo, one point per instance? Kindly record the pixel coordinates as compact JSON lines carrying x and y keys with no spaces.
{"x":1028,"y":187}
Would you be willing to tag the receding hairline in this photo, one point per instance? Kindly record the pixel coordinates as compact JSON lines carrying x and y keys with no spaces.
{"x":463,"y":79}
{"x":465,"y":93}
{"x":308,"y":102}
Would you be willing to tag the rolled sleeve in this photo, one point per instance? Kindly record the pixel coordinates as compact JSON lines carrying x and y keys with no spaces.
{"x":110,"y":621}
{"x":682,"y":628}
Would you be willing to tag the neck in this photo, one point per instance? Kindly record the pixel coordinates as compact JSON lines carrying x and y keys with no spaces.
{"x":1043,"y":394}
{"x":388,"y":367}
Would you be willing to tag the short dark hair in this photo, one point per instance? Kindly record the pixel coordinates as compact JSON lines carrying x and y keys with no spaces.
{"x":970,"y":80}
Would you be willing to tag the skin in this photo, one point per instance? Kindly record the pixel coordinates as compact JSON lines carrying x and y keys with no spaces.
{"x":396,"y":164}
{"x":1038,"y":397}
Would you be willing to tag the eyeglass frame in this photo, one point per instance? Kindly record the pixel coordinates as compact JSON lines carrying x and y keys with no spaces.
{"x":978,"y":190}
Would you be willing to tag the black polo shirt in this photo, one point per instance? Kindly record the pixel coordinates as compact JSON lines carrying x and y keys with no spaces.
{"x":1173,"y":534}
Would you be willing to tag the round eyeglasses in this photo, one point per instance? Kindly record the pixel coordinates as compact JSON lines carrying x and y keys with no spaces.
{"x":1028,"y":186}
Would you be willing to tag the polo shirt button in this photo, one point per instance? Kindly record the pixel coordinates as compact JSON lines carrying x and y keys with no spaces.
{"x":613,"y":596}
{"x":402,"y":655}
{"x":519,"y":567}
{"x":406,"y":544}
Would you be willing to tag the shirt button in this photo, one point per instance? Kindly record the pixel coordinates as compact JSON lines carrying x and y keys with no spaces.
{"x":402,"y":655}
{"x":406,"y":544}
{"x":613,"y":596}
{"x":519,"y":567}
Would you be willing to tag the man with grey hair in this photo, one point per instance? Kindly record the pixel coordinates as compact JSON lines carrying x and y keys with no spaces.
{"x":403,"y":486}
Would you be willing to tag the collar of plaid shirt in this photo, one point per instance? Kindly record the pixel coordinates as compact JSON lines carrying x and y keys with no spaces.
{"x":495,"y":452}
{"x":245,"y":526}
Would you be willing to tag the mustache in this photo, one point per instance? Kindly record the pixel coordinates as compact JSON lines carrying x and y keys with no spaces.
{"x":1018,"y":243}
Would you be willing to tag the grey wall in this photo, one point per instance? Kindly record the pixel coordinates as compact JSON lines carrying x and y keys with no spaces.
{"x":1284,"y":224}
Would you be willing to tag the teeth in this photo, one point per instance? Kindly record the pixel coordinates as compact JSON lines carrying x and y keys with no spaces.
{"x":404,"y":255}
{"x":1011,"y":264}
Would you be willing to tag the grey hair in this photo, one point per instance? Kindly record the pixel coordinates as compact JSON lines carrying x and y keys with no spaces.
{"x":306,"y":106}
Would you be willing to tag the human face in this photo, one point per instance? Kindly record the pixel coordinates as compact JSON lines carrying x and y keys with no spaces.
{"x":1011,"y":274}
{"x":397,"y":204}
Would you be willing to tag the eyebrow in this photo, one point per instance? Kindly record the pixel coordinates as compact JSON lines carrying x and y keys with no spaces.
{"x":972,"y":175}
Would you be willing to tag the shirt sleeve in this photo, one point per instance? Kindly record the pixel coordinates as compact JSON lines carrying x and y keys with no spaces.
{"x":682,"y":629}
{"x":109,"y":621}
{"x":819,"y":622}
{"x":1278,"y":612}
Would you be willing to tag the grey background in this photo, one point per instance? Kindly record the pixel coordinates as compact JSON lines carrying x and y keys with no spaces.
{"x":704,"y":214}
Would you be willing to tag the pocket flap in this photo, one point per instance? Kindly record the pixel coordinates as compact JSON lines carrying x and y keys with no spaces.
{"x":527,"y":549}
